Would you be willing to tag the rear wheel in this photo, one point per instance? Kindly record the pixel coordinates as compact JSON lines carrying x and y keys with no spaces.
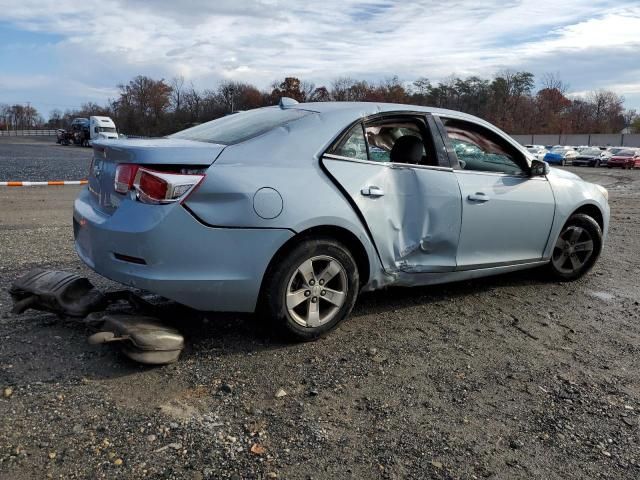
{"x":577,"y":248}
{"x":312,"y":289}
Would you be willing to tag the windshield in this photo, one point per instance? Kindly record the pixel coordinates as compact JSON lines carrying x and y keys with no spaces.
{"x":591,"y":151}
{"x":625,"y":153}
{"x":107,"y":129}
{"x":558,"y":149}
{"x":241,"y":126}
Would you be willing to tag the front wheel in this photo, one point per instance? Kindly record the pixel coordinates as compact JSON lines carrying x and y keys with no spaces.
{"x":577,"y":248}
{"x":311,"y":289}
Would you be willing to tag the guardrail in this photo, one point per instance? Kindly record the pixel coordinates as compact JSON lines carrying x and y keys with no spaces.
{"x":27,"y":133}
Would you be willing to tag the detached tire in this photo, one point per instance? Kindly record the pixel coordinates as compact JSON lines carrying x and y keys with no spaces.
{"x":577,"y":248}
{"x":311,"y":288}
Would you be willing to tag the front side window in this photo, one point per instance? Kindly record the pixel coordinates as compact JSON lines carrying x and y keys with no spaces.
{"x":480,"y":149}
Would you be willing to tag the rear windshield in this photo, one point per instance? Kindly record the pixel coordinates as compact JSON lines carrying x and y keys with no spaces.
{"x":241,"y":126}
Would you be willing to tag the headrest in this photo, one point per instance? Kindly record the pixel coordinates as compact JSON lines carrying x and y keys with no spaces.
{"x":407,"y":149}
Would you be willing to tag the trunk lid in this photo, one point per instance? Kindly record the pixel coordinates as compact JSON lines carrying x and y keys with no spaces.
{"x":157,"y":153}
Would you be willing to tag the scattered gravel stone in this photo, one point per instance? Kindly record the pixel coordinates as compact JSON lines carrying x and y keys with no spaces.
{"x":226,"y":388}
{"x":281,"y":393}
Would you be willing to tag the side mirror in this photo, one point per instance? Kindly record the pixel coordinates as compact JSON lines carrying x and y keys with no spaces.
{"x":539,"y":168}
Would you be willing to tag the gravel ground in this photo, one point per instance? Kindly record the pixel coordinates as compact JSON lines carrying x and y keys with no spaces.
{"x":41,"y":159}
{"x":507,"y":377}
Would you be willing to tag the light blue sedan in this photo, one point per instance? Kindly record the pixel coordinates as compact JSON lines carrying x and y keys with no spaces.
{"x":293,"y":210}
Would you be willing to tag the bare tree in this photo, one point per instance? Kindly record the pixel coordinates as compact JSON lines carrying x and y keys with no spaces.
{"x":177,"y":92}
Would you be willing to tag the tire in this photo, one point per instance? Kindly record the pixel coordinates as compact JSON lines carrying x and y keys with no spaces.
{"x":286,"y":277}
{"x":563,"y":162}
{"x":571,"y":257}
{"x":596,"y":164}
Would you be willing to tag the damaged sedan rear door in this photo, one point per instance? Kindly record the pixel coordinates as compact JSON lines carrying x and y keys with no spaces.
{"x":409,"y":201}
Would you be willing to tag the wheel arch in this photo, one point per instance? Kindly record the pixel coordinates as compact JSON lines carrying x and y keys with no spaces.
{"x":341,"y":234}
{"x":593,"y":211}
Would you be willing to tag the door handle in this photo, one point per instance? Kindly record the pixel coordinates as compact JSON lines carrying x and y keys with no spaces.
{"x":479,"y":197}
{"x":372,"y":191}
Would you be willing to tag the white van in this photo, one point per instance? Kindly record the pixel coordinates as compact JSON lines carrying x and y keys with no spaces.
{"x":101,"y":128}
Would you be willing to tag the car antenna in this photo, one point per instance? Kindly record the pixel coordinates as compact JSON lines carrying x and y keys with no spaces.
{"x":287,"y":102}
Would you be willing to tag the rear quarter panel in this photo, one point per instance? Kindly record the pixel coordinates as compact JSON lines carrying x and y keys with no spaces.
{"x":286,"y":160}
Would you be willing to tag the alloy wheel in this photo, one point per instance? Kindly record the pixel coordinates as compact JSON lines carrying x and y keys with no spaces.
{"x":316,"y":291}
{"x":572,"y":250}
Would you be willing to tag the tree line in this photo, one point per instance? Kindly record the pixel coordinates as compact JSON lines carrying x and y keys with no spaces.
{"x":149,"y":107}
{"x":19,"y":117}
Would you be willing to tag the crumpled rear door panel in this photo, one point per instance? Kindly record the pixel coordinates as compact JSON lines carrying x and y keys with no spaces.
{"x":415,"y":223}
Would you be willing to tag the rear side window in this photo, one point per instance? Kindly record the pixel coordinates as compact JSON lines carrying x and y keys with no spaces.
{"x":403,"y":139}
{"x":238,"y":127}
{"x":353,"y":145}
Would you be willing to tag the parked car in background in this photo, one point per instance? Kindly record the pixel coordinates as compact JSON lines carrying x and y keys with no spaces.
{"x":627,"y":158}
{"x":608,"y":153}
{"x":588,"y":157}
{"x":560,"y":155}
{"x":293,"y":210}
{"x":537,"y":150}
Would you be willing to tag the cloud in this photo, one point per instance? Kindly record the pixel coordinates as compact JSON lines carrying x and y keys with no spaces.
{"x":592,"y":44}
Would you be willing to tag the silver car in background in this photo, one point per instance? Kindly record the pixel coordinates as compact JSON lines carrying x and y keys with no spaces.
{"x":293,"y":210}
{"x":538,"y":151}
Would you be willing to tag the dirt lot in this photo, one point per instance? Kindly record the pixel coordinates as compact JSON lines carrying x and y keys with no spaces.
{"x":507,"y":377}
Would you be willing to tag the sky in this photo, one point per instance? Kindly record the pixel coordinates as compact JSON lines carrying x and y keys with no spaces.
{"x":62,"y":53}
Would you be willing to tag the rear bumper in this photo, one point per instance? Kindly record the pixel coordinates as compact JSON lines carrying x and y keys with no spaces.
{"x":165,"y":250}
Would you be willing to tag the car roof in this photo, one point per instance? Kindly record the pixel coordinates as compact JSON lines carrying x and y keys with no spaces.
{"x":371,"y":108}
{"x":357,"y":110}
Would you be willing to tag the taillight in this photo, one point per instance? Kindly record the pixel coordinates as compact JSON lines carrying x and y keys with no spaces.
{"x":162,"y":187}
{"x":125,"y":175}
